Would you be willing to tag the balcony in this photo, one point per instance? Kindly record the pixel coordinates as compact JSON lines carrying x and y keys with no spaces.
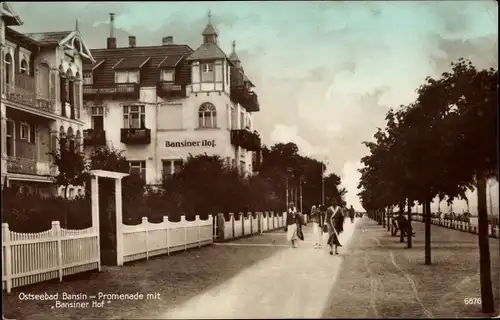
{"x":246,"y":98}
{"x":246,"y":139}
{"x":93,"y":137}
{"x":135,"y":136}
{"x":29,"y":166}
{"x":116,"y":91}
{"x":170,"y":90}
{"x":23,"y":91}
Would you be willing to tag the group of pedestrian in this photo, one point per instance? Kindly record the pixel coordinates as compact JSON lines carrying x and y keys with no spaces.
{"x":326,"y":220}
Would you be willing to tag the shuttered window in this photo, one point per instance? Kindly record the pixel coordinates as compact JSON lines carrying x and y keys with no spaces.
{"x":77,"y":99}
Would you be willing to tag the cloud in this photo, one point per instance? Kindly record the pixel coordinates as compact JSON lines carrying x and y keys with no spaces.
{"x":283,"y":133}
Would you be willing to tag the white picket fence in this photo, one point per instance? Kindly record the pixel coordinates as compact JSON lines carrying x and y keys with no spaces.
{"x":29,"y":258}
{"x":262,"y":222}
{"x":148,"y":239}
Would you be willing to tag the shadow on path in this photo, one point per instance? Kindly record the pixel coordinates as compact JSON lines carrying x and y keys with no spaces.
{"x":176,"y":278}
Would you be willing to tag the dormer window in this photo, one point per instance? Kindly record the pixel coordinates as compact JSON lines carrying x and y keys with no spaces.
{"x":24,"y":67}
{"x":207,"y":72}
{"x":127,"y":77}
{"x":167,"y":75}
{"x":88,"y":78}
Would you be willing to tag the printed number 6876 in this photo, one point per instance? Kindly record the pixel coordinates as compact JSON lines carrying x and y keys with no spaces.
{"x":472,"y":300}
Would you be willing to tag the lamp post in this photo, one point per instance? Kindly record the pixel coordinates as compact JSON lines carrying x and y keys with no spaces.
{"x":300,"y":189}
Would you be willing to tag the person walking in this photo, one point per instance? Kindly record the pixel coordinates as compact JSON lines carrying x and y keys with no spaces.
{"x":335,"y":220}
{"x":291,"y":225}
{"x":316,"y":221}
{"x":352,"y":214}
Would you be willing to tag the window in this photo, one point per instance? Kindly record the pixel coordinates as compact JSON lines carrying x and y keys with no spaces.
{"x":242,"y":120}
{"x":134,"y":117}
{"x":10,"y":138}
{"x":139,"y":168}
{"x":25,"y":131}
{"x":42,"y":81}
{"x":207,"y":116}
{"x":167,"y":75}
{"x":227,"y":73}
{"x":234,"y":118}
{"x":24,"y":67}
{"x":207,"y":72}
{"x":87,"y":78}
{"x":127,"y":77}
{"x":8,"y":68}
{"x":170,"y":167}
{"x":97,"y":121}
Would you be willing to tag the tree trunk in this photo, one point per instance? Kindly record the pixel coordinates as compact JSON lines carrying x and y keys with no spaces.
{"x":410,"y":229}
{"x":427,"y":220}
{"x":66,"y":207}
{"x":484,"y":247}
{"x":389,"y":214}
{"x":383,"y":218}
{"x":401,"y":210}
{"x":379,"y":217}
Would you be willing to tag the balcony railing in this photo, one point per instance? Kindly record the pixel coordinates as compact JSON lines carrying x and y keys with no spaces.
{"x":135,"y":136}
{"x":30,"y":166}
{"x":92,"y":137}
{"x":170,"y":90}
{"x":23,"y":91}
{"x":117,"y":90}
{"x":246,"y":139}
{"x":246,"y":98}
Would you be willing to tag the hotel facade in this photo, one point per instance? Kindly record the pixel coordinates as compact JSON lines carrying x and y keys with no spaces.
{"x":160,"y":104}
{"x":40,"y":98}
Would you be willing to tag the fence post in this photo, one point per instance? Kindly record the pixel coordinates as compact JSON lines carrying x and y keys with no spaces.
{"x":197,"y":219}
{"x":56,"y":227}
{"x":250,"y":216}
{"x":7,"y":256}
{"x":144,"y":224}
{"x":242,"y":219}
{"x":166,"y":223}
{"x":183,"y":220}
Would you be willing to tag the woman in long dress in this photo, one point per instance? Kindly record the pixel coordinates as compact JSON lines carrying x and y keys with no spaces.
{"x":291,"y":225}
{"x":335,"y":220}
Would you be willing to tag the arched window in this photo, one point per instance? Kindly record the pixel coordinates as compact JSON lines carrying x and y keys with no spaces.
{"x":207,"y":116}
{"x":8,"y":68}
{"x":24,"y":67}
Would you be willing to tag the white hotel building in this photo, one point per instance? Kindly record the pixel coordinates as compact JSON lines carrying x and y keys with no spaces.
{"x":162,"y":103}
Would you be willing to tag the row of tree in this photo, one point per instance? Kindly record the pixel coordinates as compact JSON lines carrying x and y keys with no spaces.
{"x":441,"y":145}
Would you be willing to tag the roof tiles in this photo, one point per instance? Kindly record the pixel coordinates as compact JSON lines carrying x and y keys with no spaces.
{"x":170,"y":61}
{"x":150,"y":72}
{"x":49,"y":37}
{"x":131,"y":63}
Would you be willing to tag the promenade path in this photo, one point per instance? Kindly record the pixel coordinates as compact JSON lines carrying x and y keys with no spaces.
{"x":255,"y":277}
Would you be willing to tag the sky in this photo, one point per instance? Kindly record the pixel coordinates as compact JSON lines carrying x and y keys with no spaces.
{"x":325,"y":72}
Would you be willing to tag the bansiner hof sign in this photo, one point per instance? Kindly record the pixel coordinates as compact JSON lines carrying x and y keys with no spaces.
{"x":190,"y":143}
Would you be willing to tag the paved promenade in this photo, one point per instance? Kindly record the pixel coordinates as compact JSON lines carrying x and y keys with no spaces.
{"x":255,"y":277}
{"x":262,"y":277}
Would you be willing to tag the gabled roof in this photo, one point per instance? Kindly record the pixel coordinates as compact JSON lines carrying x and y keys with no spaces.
{"x":208,"y":51}
{"x":63,"y":38}
{"x":131,"y":63}
{"x":9,"y":15}
{"x":150,"y":72}
{"x":170,"y":62}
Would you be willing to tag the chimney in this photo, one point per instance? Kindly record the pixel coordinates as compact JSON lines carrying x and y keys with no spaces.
{"x":131,"y":41}
{"x":168,"y":40}
{"x":111,"y":43}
